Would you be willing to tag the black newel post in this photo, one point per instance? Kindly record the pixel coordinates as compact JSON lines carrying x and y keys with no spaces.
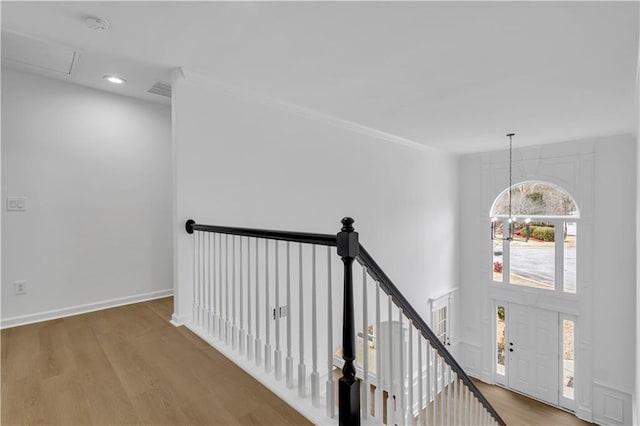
{"x":349,"y":387}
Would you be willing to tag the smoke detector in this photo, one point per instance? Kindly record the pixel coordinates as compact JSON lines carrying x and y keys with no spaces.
{"x":97,"y":24}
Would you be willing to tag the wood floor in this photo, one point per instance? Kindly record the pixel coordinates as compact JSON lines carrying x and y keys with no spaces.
{"x":127,"y":365}
{"x":516,"y":409}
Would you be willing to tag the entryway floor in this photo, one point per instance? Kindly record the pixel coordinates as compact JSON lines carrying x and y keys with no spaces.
{"x":516,"y":409}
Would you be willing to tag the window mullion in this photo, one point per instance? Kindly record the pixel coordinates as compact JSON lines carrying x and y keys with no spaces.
{"x":559,"y":261}
{"x":506,"y":255}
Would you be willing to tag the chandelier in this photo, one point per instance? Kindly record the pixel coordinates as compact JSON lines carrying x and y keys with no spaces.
{"x":512,"y":222}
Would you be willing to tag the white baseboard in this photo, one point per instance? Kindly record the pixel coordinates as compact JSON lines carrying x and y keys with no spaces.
{"x":178,"y":320}
{"x":584,"y":413}
{"x":317,"y":415}
{"x":82,"y":309}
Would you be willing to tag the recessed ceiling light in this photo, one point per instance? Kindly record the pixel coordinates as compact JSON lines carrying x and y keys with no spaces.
{"x":114,"y":79}
{"x":97,"y":24}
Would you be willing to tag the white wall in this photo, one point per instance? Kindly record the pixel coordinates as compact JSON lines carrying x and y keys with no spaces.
{"x":637,"y":390}
{"x":600,"y":174}
{"x":248,"y":161}
{"x":96,"y":171}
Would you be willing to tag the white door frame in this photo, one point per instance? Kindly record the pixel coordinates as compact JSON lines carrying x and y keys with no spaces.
{"x":563,"y":402}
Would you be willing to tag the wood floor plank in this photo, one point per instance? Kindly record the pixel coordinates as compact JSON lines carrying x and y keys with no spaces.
{"x":56,"y":356}
{"x":162,"y":307}
{"x":516,"y":409}
{"x":64,"y":401}
{"x":199,"y":412}
{"x":125,"y":366}
{"x":21,"y":349}
{"x":106,"y":399}
{"x":22,"y":401}
{"x":155,"y":407}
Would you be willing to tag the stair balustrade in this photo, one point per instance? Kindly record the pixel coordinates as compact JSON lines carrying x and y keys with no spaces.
{"x":266,"y":299}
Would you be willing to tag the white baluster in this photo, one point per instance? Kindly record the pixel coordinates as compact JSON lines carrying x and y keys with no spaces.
{"x":410,"y":375}
{"x":429,"y":408}
{"x":436,"y":416}
{"x":212,"y":277}
{"x":227,"y":324}
{"x":454,"y":398}
{"x":258,"y":342}
{"x":460,"y":400}
{"x":463,"y":403}
{"x":267,"y":349}
{"x":379,"y":395}
{"x":469,"y":407}
{"x":365,"y":389}
{"x":206,"y":267}
{"x":330,"y":391}
{"x":289,"y":360}
{"x":443,"y":411}
{"x":392,"y":390}
{"x":402,"y":368}
{"x":250,"y":338}
{"x":220,"y":318}
{"x":449,"y":412}
{"x":196,"y":275}
{"x":278,"y":353}
{"x":301,"y":366}
{"x":420,"y":384}
{"x":241,"y":333}
{"x":200,"y":276}
{"x":205,"y":280}
{"x":315,"y":377}
{"x":234,"y":319}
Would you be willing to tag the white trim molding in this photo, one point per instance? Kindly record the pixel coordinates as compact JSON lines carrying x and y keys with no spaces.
{"x":83,"y":309}
{"x":214,"y":83}
{"x":611,"y":406}
{"x":471,"y":359}
{"x":178,"y":320}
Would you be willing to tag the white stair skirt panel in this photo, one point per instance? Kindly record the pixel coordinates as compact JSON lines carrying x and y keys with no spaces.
{"x":316,"y":414}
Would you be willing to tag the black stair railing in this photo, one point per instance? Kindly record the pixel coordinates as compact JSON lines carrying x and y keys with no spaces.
{"x":349,"y":249}
{"x":390,"y":289}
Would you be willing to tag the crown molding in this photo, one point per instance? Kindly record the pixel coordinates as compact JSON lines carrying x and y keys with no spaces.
{"x":212,"y":83}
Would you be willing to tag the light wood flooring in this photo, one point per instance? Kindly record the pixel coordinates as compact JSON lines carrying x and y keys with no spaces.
{"x":516,"y":409}
{"x":127,"y":365}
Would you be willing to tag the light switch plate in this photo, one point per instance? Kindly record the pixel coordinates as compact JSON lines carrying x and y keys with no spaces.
{"x":17,"y":204}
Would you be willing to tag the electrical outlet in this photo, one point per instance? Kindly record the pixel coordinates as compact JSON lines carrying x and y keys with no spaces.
{"x":20,"y":287}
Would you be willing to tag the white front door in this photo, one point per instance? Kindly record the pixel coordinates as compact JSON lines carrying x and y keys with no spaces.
{"x":532,"y":349}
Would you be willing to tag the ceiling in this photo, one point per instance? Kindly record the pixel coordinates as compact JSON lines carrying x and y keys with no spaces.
{"x":452,"y":75}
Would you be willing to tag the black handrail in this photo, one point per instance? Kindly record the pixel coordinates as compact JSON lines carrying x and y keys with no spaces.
{"x":390,"y":289}
{"x":298,"y":237}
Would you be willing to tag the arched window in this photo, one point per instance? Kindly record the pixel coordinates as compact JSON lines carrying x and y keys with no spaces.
{"x":544,"y":253}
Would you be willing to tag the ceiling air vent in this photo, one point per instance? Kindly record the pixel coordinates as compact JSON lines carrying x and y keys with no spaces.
{"x":160,"y":88}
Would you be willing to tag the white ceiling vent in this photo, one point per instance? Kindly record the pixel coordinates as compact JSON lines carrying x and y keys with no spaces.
{"x":27,"y":52}
{"x":160,"y":88}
